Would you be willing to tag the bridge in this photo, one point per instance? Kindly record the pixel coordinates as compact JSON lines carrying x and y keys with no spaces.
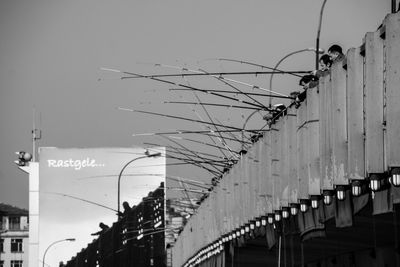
{"x":319,"y":188}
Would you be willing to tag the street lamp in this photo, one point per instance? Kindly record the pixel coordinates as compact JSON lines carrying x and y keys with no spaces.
{"x":59,"y":241}
{"x":311,"y":49}
{"x":148,"y":155}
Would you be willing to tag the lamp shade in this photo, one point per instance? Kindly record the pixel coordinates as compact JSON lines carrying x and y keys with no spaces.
{"x":356,"y":188}
{"x":341,"y":192}
{"x":328,"y":197}
{"x":315,"y":201}
{"x":285,"y":212}
{"x":395,"y":177}
{"x":294,"y":208}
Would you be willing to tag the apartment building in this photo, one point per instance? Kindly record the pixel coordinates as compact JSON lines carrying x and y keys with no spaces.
{"x":13,"y":236}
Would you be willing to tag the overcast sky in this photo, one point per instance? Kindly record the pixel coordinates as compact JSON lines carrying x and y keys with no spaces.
{"x":51,"y":53}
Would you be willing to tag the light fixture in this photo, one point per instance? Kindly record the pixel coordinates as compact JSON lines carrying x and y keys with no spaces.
{"x":23,"y":158}
{"x":252,"y":225}
{"x":377,"y":181}
{"x":234,"y":235}
{"x":157,"y":224}
{"x":285,"y":212}
{"x":294,"y":208}
{"x":328,"y":197}
{"x":341,"y":192}
{"x":270,"y":218}
{"x":356,"y":188}
{"x":230,"y":237}
{"x":395,"y":176}
{"x":258,"y":222}
{"x":315,"y":201}
{"x":247,"y":228}
{"x":237,"y":232}
{"x":242,"y":230}
{"x":304,"y":203}
{"x":278,"y":215}
{"x":263,"y":220}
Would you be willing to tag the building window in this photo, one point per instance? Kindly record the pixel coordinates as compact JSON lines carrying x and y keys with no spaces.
{"x":16,"y":245}
{"x":1,"y":246}
{"x":15,"y":223}
{"x":16,"y":263}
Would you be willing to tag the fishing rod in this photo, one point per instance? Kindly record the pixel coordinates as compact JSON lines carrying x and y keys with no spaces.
{"x":242,"y":142}
{"x":204,"y":161}
{"x":223,"y":79}
{"x":189,"y":182}
{"x":173,"y":117}
{"x":218,"y":73}
{"x":274,"y":70}
{"x":200,"y":142}
{"x":199,"y":132}
{"x":184,"y":86}
{"x":220,"y":138}
{"x":194,"y":153}
{"x":231,"y":92}
{"x":232,"y":139}
{"x":212,"y":135}
{"x":213,"y":172}
{"x":203,"y":153}
{"x":193,"y":161}
{"x":81,"y":199}
{"x":218,"y":77}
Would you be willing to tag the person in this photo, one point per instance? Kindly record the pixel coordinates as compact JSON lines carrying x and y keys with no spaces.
{"x":335,"y":52}
{"x":279,"y":110}
{"x":103,"y":227}
{"x":308,"y":81}
{"x":126,"y":207}
{"x":325,"y":63}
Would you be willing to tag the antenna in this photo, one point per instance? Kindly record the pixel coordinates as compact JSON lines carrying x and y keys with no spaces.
{"x":36,"y":134}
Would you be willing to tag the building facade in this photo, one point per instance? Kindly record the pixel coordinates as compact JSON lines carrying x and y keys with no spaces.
{"x":13,"y":236}
{"x":136,"y":239}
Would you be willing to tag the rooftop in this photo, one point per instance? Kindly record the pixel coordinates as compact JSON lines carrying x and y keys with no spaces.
{"x":6,"y":209}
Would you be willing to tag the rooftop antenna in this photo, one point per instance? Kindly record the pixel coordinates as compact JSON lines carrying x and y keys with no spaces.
{"x":36,"y":133}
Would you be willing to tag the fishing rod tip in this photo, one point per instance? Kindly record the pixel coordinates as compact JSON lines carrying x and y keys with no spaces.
{"x":125,"y":109}
{"x":112,"y":70}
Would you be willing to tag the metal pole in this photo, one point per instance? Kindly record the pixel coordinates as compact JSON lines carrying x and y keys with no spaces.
{"x":120,"y":175}
{"x":318,"y":34}
{"x":59,"y":241}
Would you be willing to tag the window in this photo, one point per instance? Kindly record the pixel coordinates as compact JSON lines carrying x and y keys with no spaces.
{"x":16,"y":245}
{"x":15,"y":223}
{"x":16,"y":263}
{"x":1,"y":246}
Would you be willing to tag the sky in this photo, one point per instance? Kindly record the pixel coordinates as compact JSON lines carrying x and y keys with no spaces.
{"x":52,"y":52}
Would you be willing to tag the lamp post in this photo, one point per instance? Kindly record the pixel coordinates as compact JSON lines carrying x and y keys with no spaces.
{"x":55,"y":242}
{"x":311,"y":49}
{"x":122,"y":170}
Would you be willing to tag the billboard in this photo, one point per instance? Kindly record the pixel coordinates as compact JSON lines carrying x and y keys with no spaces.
{"x":78,"y":190}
